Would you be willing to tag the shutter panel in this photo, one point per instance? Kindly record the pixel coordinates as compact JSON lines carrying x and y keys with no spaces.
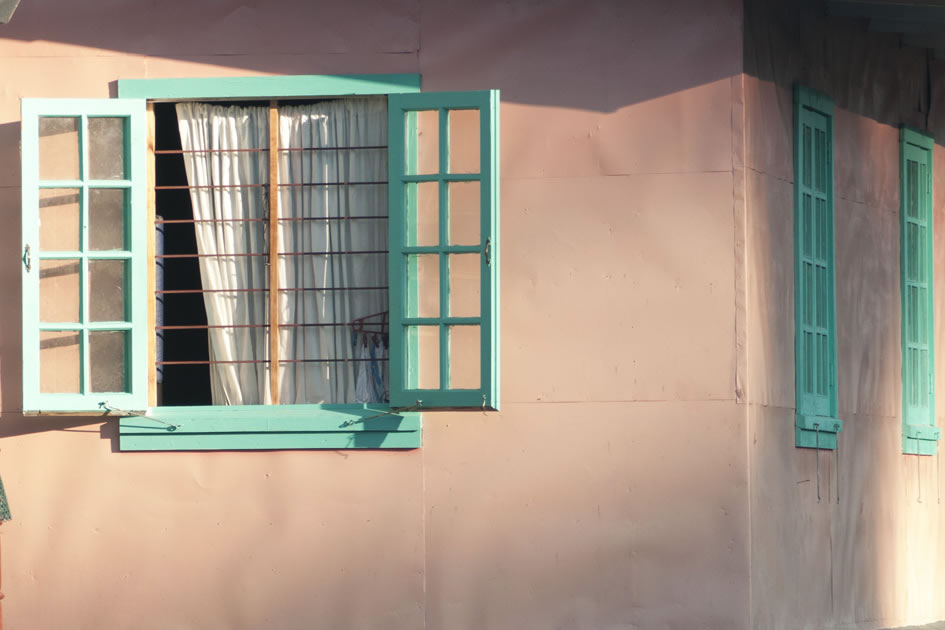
{"x":815,"y":306}
{"x":83,"y":214}
{"x":918,"y":371}
{"x":444,"y":249}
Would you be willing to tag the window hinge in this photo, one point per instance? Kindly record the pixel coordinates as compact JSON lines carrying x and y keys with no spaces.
{"x":488,"y":256}
{"x":27,"y":260}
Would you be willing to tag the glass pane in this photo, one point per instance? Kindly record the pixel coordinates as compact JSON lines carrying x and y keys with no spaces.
{"x":107,"y":361}
{"x":58,"y":148}
{"x":106,"y":148}
{"x":59,"y":291}
{"x":423,"y":214}
{"x":464,"y":140}
{"x":422,"y":148}
{"x":465,"y":367}
{"x":59,"y":361}
{"x":423,"y":285}
{"x":107,"y":290}
{"x":59,"y":219}
{"x":423,"y":357}
{"x":464,"y":213}
{"x":464,"y":285}
{"x":106,"y":218}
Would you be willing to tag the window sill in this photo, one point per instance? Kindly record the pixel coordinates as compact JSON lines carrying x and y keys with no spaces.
{"x":264,"y":427}
{"x":817,"y":431}
{"x":920,"y":439}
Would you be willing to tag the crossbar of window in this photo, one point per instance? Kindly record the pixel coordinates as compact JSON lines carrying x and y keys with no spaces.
{"x":266,"y":255}
{"x":266,"y":150}
{"x":266,"y":220}
{"x":293,"y":185}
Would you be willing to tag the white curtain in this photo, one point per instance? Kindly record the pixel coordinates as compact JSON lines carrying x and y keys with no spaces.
{"x":326,"y":222}
{"x":327,"y":194}
{"x":236,"y":338}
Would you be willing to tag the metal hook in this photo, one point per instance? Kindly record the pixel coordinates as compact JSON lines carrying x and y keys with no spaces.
{"x":836,"y":471}
{"x":817,"y":457}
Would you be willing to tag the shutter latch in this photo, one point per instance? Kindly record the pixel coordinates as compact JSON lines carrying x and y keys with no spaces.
{"x":27,"y":260}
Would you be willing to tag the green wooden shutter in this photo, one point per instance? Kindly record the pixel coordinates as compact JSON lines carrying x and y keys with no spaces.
{"x":919,"y":435}
{"x":814,"y":282}
{"x":83,"y":258}
{"x":444,"y":249}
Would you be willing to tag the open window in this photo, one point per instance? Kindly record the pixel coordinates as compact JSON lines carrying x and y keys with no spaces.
{"x":281,"y":264}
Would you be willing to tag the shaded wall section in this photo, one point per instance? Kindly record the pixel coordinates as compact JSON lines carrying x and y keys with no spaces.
{"x":611,"y":491}
{"x":874,"y":557}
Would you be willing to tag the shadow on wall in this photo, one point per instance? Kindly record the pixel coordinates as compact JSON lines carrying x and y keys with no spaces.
{"x":12,"y":422}
{"x":877,"y":85}
{"x":598,"y":56}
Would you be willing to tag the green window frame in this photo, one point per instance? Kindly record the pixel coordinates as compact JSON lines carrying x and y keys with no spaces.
{"x":397,"y":425}
{"x":35,"y":254}
{"x":919,"y":433}
{"x":815,"y":320}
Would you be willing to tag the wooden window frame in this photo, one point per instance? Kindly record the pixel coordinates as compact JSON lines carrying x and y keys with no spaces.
{"x":817,"y":424}
{"x":919,"y":434}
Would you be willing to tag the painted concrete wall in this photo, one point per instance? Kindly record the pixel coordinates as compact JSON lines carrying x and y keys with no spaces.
{"x":876,"y":558}
{"x":612,"y":489}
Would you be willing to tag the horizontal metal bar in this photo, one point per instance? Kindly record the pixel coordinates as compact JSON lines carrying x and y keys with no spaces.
{"x":281,"y":325}
{"x":296,"y":185}
{"x":188,"y":291}
{"x":257,"y":254}
{"x":264,"y":220}
{"x":266,"y":150}
{"x":265,"y":361}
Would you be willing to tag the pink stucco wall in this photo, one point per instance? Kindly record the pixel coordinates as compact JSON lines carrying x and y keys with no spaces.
{"x":612,"y":489}
{"x":876,"y":558}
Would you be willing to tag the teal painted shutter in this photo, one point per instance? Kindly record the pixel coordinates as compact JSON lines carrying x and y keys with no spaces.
{"x":83,"y":258}
{"x":814,"y":281}
{"x":915,"y":247}
{"x":444,"y":249}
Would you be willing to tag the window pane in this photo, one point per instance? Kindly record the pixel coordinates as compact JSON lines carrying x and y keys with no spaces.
{"x":465,"y":367}
{"x":58,"y":148}
{"x":423,"y":357}
{"x":423,"y":285}
{"x":106,"y":218}
{"x":106,"y":148}
{"x":59,"y":291}
{"x":464,"y":140}
{"x":464,"y":206}
{"x":423,"y":214}
{"x":464,"y":285}
{"x":423,"y":142}
{"x":107,"y":290}
{"x":107,"y":360}
{"x":59,"y":361}
{"x":59,"y":219}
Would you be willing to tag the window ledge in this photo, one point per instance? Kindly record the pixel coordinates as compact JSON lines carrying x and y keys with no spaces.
{"x":817,"y":431}
{"x":267,"y":427}
{"x":920,"y":439}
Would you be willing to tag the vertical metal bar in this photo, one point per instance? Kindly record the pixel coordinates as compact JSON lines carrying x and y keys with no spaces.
{"x":837,"y":465}
{"x":273,"y":252}
{"x":150,"y":264}
{"x":817,"y":457}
